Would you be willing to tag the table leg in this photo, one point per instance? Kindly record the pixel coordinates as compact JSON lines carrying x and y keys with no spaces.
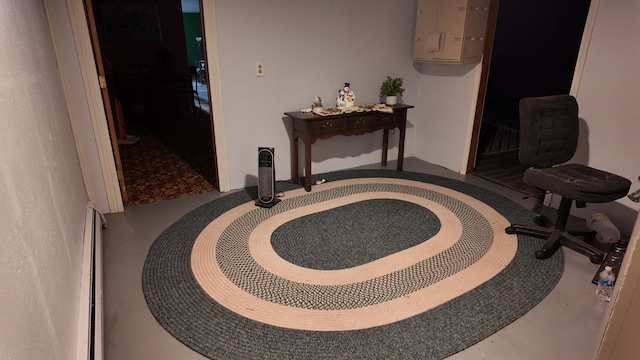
{"x":295,"y":175}
{"x":385,"y":146}
{"x":307,"y":165}
{"x":403,"y":130}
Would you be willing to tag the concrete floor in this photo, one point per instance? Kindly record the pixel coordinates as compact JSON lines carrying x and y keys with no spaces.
{"x":567,"y":325}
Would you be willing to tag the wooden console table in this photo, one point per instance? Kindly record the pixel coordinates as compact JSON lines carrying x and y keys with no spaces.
{"x":311,"y":127}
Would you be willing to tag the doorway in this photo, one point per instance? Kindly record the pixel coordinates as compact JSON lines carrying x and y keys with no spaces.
{"x":534,"y":53}
{"x":161,"y":116}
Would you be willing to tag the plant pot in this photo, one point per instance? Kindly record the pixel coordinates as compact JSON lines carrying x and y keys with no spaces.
{"x":391,"y":100}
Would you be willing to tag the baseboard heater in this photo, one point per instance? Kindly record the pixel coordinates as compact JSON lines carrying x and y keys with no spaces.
{"x":90,"y":323}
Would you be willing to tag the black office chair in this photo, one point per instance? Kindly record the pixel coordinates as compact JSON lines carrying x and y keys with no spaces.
{"x":548,"y":139}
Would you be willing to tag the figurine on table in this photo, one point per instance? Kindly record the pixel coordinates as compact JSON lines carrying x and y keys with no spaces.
{"x":346,"y":97}
{"x":317,"y":102}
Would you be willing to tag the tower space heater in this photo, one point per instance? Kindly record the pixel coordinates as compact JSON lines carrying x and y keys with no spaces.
{"x":266,"y":178}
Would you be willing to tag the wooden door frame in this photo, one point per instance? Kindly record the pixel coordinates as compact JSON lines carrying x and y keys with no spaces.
{"x":212,"y":58}
{"x":212,"y":125}
{"x":87,"y":67}
{"x":106,"y":98}
{"x":486,"y":62}
{"x":97,"y":114}
{"x":482,"y":90}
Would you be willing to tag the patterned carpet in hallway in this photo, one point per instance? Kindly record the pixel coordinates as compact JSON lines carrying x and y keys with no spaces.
{"x":172,"y":159}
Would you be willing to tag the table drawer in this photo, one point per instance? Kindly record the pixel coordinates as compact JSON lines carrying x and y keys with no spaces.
{"x":328,"y":126}
{"x":389,"y":119}
{"x":361,"y":122}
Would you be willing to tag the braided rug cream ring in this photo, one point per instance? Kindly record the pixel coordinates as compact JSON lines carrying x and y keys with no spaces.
{"x":234,"y":263}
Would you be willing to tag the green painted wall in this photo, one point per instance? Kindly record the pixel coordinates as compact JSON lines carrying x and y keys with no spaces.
{"x":192,"y":28}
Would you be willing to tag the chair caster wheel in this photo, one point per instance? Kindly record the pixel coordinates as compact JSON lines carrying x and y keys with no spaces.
{"x":541,"y":254}
{"x":510,"y":230}
{"x":596,"y":259}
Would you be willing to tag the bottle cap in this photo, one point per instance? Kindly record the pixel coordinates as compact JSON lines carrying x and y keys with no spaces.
{"x":608,"y":268}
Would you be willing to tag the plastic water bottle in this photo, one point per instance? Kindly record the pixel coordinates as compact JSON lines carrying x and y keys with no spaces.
{"x":605,"y":284}
{"x":606,"y":231}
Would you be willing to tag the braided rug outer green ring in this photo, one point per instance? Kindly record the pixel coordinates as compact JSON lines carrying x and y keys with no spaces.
{"x":190,"y":315}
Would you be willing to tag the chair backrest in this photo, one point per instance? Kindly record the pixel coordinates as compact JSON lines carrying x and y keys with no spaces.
{"x":549,"y":130}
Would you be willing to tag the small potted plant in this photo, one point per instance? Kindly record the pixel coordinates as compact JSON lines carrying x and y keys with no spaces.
{"x":390,"y":89}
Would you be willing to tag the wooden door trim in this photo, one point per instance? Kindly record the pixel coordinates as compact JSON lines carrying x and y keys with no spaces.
{"x":482,"y":90}
{"x":210,"y":33}
{"x":93,"y":33}
{"x":216,"y":183}
{"x":86,"y":58}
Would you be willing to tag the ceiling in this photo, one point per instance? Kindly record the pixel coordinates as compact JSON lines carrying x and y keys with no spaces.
{"x":190,"y":6}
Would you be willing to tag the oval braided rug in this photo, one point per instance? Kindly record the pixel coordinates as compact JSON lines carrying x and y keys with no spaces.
{"x":373,"y":264}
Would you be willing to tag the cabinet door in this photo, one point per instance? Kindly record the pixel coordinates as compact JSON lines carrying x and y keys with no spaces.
{"x":475,"y":29}
{"x":451,"y":21}
{"x":426,"y":20}
{"x":450,"y":31}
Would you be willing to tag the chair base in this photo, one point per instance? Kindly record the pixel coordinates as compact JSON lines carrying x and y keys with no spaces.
{"x":559,"y":237}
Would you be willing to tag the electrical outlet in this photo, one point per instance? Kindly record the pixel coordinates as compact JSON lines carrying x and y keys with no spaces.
{"x":259,"y":68}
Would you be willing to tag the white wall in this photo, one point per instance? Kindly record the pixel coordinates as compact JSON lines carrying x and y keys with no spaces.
{"x":309,"y":48}
{"x":447,"y":103}
{"x":42,"y":193}
{"x":608,"y":99}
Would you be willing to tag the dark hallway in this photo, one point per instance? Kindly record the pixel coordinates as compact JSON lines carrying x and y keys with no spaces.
{"x":534,"y":53}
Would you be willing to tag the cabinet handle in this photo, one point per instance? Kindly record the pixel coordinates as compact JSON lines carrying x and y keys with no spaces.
{"x":435,"y":41}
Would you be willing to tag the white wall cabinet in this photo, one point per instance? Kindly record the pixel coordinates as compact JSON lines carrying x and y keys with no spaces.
{"x":450,"y":31}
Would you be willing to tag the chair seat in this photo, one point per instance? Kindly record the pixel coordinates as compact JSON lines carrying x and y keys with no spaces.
{"x":579,"y":182}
